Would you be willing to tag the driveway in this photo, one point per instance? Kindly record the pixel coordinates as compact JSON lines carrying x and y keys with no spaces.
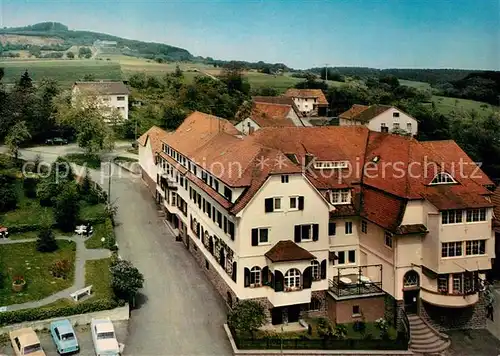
{"x":178,"y":311}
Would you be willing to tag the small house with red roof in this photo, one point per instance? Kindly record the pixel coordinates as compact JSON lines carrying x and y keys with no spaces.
{"x":381,"y":118}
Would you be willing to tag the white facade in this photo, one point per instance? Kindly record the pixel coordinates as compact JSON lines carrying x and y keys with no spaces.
{"x":247,"y":126}
{"x":305,"y":105}
{"x":110,"y":101}
{"x":388,"y":121}
{"x":147,"y":160}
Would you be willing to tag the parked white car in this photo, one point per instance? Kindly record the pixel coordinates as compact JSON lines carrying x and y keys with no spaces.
{"x":103,"y":335}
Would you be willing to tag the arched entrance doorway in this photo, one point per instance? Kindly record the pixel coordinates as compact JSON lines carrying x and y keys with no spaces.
{"x":411,"y":291}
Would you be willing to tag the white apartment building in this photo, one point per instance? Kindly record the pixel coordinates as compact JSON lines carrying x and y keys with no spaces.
{"x":288,"y":217}
{"x":381,"y":118}
{"x":310,"y":102}
{"x":112,"y":95}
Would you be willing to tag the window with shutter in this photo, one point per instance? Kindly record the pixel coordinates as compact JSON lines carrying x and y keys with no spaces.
{"x":231,"y":230}
{"x":234,"y":272}
{"x":297,"y":233}
{"x":301,"y":203}
{"x":332,"y":229}
{"x":247,"y":277}
{"x":323,"y":269}
{"x":255,"y":237}
{"x":278,"y":281}
{"x":269,"y":205}
{"x":315,"y":233}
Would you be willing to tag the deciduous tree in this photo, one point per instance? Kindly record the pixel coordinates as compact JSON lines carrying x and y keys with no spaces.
{"x":247,"y":316}
{"x":67,"y":207}
{"x":17,"y":135}
{"x":126,"y":279}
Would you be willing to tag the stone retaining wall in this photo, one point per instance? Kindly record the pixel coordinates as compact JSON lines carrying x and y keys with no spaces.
{"x":117,"y":314}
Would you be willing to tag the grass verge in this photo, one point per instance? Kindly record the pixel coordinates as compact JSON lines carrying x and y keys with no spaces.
{"x":23,"y":259}
{"x":98,"y":275}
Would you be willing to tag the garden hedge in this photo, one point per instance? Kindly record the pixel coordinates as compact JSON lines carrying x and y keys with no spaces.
{"x":48,"y":312}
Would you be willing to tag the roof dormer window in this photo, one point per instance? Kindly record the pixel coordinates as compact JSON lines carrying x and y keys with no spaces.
{"x":340,"y":196}
{"x":443,"y":178}
{"x":330,"y":164}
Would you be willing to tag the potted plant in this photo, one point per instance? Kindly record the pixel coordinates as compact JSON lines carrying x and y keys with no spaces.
{"x":18,"y":283}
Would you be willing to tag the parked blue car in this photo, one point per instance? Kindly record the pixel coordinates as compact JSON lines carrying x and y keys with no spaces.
{"x":64,"y":336}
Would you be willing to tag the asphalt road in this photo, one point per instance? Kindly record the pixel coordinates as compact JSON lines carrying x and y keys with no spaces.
{"x":178,"y":311}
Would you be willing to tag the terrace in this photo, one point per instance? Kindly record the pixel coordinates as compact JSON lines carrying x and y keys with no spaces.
{"x":352,"y":282}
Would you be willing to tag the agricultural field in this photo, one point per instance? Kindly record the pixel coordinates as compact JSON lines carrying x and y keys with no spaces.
{"x":64,"y":71}
{"x":413,"y":84}
{"x":446,"y":105}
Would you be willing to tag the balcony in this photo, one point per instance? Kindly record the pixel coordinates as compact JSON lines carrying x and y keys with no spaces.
{"x":443,"y":299}
{"x":299,"y":296}
{"x":167,"y":183}
{"x":366,"y":282}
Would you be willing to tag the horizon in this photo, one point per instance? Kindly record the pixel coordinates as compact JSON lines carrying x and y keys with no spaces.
{"x":397,"y":29}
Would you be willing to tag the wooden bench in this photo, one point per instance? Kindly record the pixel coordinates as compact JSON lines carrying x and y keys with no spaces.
{"x":81,"y":293}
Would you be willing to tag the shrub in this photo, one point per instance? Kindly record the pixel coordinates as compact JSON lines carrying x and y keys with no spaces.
{"x":19,"y":316}
{"x":46,"y":241}
{"x":61,"y":269}
{"x":29,"y":185}
{"x":109,"y":236}
{"x":67,"y":207}
{"x":383,"y":326}
{"x":126,"y":279}
{"x":359,"y":326}
{"x":8,"y":194}
{"x":340,"y":332}
{"x":247,"y":316}
{"x":325,"y":328}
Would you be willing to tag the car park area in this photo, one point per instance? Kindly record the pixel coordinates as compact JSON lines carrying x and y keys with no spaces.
{"x":83,"y":334}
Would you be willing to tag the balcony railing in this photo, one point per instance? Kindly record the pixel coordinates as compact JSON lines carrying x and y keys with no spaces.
{"x":349,"y":284}
{"x":341,"y":289}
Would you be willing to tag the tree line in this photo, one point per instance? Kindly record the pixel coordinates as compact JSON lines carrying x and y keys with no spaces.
{"x":165,"y":101}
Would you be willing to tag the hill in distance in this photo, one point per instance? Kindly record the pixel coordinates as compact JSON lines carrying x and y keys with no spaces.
{"x":70,"y":38}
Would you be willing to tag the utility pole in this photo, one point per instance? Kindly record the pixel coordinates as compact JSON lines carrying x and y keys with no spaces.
{"x":109,"y":183}
{"x":326,"y":72}
{"x":135,"y":129}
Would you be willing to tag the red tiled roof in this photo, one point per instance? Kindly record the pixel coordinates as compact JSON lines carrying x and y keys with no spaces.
{"x":155,"y":135}
{"x":287,"y":250}
{"x":284,"y":100}
{"x":405,"y":168}
{"x":308,"y":93}
{"x":382,"y":209}
{"x":399,"y":168}
{"x":355,"y":110}
{"x":271,"y":115}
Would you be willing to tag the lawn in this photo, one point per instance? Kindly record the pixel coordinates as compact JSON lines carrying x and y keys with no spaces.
{"x":82,"y":159}
{"x":23,"y":259}
{"x":90,"y":212}
{"x":447,"y":105}
{"x":98,"y":275}
{"x":28,"y":212}
{"x":95,"y":240}
{"x":64,"y":71}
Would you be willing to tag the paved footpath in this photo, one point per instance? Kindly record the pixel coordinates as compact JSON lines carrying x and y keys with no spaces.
{"x":82,"y":255}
